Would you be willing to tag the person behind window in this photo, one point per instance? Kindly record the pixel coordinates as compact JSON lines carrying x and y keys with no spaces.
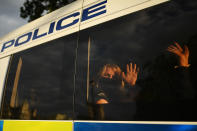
{"x":182,"y":70}
{"x":111,"y":89}
{"x":167,"y":92}
{"x":109,"y":71}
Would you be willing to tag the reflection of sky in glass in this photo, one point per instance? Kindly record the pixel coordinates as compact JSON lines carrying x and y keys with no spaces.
{"x":145,"y":33}
{"x":46,"y":79}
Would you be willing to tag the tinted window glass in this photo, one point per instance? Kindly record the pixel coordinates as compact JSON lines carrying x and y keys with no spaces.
{"x":40,"y":82}
{"x":141,"y":66}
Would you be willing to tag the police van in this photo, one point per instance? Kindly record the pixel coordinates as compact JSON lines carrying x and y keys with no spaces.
{"x":102,"y":65}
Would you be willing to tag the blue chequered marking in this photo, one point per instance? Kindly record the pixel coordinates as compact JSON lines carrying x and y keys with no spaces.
{"x":1,"y":125}
{"x":85,"y":126}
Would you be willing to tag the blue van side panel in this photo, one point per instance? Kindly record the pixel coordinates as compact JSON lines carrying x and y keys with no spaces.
{"x":85,"y":126}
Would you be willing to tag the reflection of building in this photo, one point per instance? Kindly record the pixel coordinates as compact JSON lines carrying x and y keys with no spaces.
{"x":14,"y":97}
{"x":25,"y":112}
{"x":61,"y":116}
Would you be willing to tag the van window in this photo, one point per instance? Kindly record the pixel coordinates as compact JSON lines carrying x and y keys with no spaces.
{"x":141,"y":66}
{"x":40,"y":82}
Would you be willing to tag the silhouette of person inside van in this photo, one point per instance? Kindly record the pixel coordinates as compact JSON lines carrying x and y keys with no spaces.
{"x":167,"y":92}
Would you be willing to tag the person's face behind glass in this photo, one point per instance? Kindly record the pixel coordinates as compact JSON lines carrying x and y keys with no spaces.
{"x":109,"y":72}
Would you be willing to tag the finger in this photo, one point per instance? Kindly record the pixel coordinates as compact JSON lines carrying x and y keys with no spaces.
{"x":175,"y":51}
{"x":186,"y":50}
{"x":173,"y":47}
{"x":128,"y":68}
{"x":178,"y":46}
{"x":131,"y":67}
{"x":123,"y":75}
{"x":171,"y":50}
{"x":134,"y":69}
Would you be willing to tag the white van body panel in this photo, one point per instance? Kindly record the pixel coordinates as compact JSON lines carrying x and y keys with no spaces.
{"x":114,"y":9}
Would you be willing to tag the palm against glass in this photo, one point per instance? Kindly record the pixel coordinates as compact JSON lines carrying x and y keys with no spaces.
{"x":183,"y":54}
{"x":131,"y":75}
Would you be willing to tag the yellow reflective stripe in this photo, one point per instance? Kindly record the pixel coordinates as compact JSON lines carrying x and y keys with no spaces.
{"x":10,"y":125}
